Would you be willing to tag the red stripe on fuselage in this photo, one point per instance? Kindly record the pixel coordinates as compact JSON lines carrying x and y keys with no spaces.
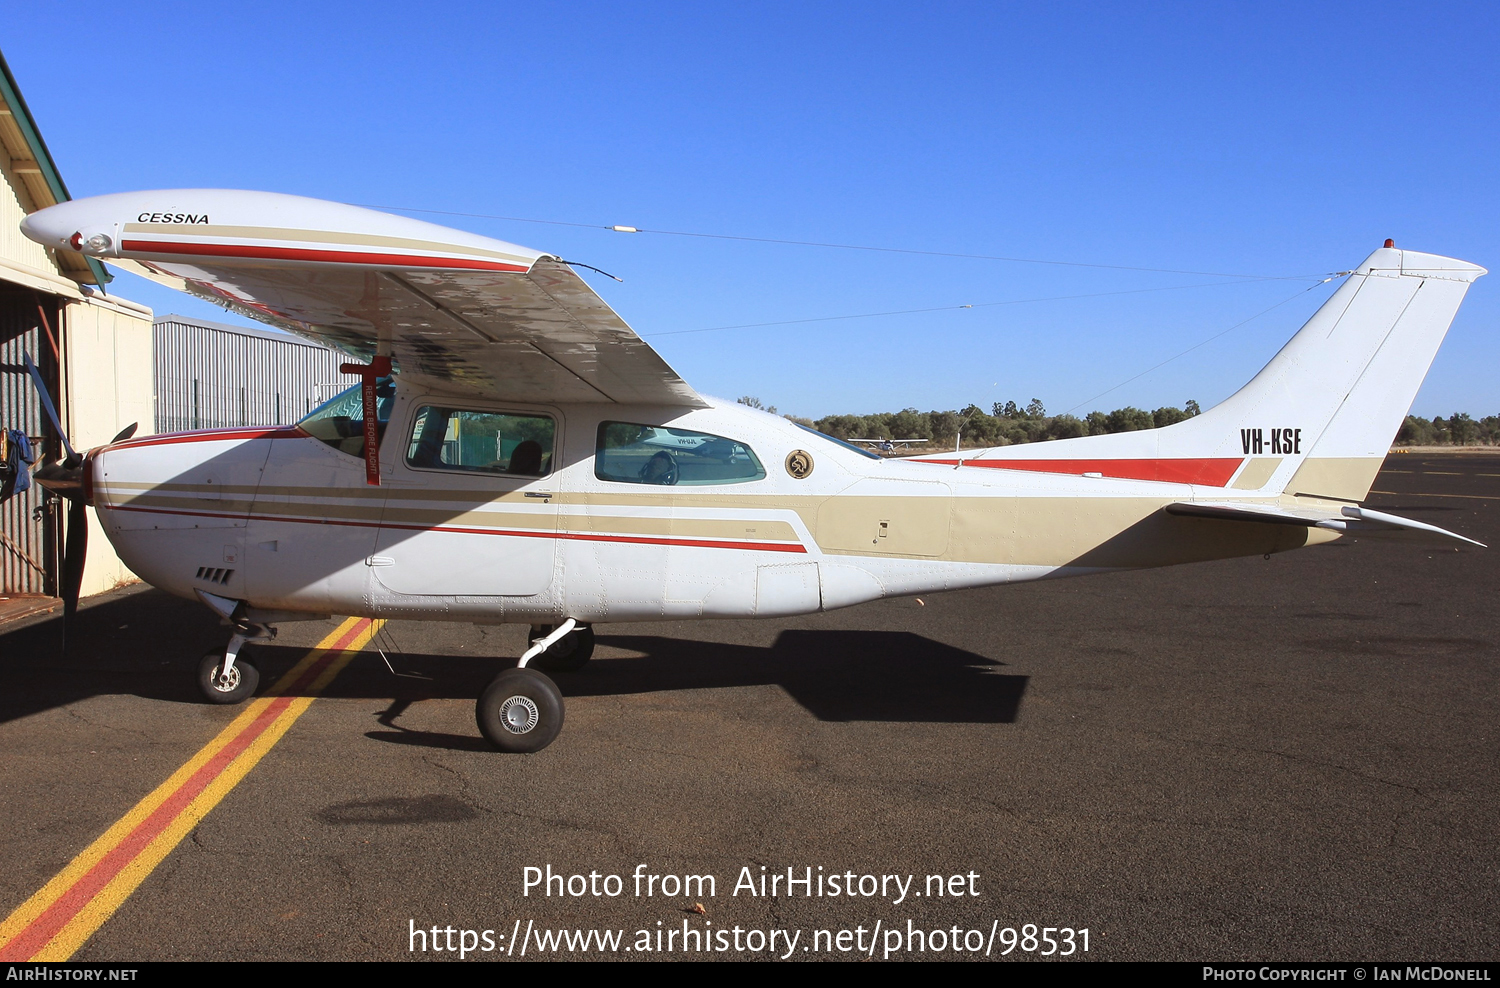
{"x":1210,"y":472}
{"x":324,"y":256}
{"x":521,"y":534}
{"x":214,"y":435}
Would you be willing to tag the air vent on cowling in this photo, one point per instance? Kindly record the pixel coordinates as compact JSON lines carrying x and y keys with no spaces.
{"x":214,"y":575}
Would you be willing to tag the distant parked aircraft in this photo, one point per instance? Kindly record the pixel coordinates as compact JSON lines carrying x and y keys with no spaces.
{"x":889,"y":445}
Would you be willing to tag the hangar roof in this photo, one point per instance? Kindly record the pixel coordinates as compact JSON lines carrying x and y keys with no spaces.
{"x":33,"y":166}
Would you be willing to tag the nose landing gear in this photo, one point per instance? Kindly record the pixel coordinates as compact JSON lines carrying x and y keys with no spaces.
{"x":223,"y":682}
{"x":228,"y":678}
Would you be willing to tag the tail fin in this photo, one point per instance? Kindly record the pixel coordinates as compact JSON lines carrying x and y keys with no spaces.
{"x":1319,"y":418}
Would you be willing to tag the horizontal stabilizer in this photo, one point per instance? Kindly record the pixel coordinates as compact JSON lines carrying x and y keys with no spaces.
{"x":1350,"y":519}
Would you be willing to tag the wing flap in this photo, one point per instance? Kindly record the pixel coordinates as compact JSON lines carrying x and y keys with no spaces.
{"x":1349,"y":519}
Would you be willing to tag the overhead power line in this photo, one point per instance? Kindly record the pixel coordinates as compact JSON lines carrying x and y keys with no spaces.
{"x":950,"y":308}
{"x":617,"y":228}
{"x":1203,"y":343}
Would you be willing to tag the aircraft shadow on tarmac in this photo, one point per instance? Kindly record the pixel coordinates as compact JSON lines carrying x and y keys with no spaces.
{"x":892,"y":676}
{"x":143,"y":643}
{"x":147,"y":644}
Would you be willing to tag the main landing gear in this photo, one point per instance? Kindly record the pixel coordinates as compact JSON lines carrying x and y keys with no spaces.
{"x":522,"y":709}
{"x":568,"y":654}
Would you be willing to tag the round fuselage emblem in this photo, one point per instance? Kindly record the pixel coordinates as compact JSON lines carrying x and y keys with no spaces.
{"x":799,"y":463}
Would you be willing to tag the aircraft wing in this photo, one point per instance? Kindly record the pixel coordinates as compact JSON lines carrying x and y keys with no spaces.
{"x":458,"y":312}
{"x":1349,"y":519}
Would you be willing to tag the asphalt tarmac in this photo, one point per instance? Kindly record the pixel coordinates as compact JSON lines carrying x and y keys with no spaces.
{"x":1293,"y":758}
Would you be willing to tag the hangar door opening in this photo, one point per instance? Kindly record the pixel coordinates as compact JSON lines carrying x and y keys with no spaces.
{"x":31,"y":520}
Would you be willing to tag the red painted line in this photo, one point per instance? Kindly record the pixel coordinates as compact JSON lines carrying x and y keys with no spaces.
{"x":323,"y":256}
{"x":56,"y":916}
{"x":572,"y":536}
{"x":213,"y":435}
{"x":1210,"y":472}
{"x":312,"y":672}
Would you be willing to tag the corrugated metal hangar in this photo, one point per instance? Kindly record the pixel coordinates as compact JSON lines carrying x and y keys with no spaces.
{"x":211,"y":376}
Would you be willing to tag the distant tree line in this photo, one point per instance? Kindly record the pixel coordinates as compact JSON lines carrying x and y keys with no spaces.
{"x":1456,"y":430}
{"x":1007,"y":424}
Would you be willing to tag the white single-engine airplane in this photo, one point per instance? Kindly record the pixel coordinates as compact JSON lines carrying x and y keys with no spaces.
{"x":517,"y":454}
{"x":890,"y":445}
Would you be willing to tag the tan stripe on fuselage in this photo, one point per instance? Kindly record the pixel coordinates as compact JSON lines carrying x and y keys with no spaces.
{"x":759,"y":529}
{"x":1256,"y":473}
{"x":1344,"y":478}
{"x":1027,"y":531}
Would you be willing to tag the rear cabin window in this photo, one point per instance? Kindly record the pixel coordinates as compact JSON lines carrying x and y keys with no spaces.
{"x":481,"y":442}
{"x":653,"y":454}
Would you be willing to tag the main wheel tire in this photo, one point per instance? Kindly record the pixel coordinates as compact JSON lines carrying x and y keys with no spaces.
{"x":568,"y":655}
{"x":520,"y":711}
{"x":240,"y":686}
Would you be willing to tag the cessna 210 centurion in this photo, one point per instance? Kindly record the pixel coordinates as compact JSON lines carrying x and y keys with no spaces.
{"x":516,"y":453}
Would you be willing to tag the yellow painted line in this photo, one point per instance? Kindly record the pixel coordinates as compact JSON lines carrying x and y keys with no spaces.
{"x":1441,"y":473}
{"x":56,"y":921}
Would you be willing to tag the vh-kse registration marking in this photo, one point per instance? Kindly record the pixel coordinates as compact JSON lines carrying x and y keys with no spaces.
{"x":1282,"y":442}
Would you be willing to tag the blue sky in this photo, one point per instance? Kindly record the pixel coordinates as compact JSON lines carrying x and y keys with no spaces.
{"x":1274,"y":141}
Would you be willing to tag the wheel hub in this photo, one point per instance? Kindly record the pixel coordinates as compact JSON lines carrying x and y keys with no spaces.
{"x":518,"y":714}
{"x":226,"y":683}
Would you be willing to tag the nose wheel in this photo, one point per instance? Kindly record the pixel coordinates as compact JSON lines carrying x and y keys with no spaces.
{"x":227,"y":677}
{"x":234,"y":685}
{"x":521,"y":711}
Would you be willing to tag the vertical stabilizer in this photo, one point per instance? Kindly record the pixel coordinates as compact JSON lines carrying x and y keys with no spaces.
{"x":1317,"y":420}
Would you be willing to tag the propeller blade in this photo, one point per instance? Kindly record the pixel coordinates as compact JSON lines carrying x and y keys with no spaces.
{"x":60,"y":478}
{"x":41,"y":389}
{"x":75,"y":552}
{"x":125,"y":433}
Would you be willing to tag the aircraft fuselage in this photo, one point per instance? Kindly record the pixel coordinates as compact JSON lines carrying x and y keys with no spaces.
{"x":758,"y":518}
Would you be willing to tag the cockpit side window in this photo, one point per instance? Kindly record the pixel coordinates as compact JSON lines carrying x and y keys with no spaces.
{"x":340,"y":421}
{"x":652,"y":454}
{"x":481,"y":442}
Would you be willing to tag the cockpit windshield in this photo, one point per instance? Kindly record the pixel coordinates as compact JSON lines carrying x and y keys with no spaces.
{"x":837,"y":442}
{"x":340,"y":421}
